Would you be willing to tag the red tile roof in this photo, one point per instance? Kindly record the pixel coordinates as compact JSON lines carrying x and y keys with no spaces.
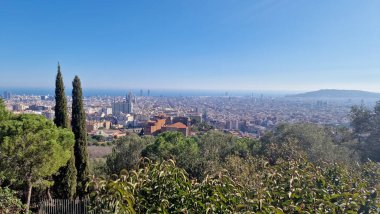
{"x":177,"y":125}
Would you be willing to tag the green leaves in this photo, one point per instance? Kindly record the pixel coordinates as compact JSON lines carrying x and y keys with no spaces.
{"x":32,"y":146}
{"x":9,"y":203}
{"x":163,"y":188}
{"x":240,"y":176}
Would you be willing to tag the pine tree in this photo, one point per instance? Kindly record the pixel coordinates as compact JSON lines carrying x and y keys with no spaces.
{"x":78,"y":124}
{"x":66,"y":180}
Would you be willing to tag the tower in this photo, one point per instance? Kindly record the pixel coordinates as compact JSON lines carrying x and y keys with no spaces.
{"x":129,"y":101}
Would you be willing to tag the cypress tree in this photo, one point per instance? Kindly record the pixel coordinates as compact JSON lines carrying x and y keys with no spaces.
{"x":66,"y":180}
{"x":78,"y":124}
{"x":60,"y":119}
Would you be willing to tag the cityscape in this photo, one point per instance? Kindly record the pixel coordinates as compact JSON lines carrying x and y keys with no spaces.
{"x":244,"y":116}
{"x":192,"y":107}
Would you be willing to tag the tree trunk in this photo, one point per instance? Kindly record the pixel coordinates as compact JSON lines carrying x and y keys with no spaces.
{"x":29,"y":196}
{"x":48,"y":194}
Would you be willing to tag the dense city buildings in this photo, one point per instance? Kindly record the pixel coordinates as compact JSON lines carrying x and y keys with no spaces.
{"x":247,"y":116}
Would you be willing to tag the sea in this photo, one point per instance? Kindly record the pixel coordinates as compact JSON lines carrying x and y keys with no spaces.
{"x":152,"y":92}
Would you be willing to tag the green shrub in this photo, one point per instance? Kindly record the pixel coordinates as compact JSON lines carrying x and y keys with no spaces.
{"x":291,"y":186}
{"x":9,"y":203}
{"x":163,"y":188}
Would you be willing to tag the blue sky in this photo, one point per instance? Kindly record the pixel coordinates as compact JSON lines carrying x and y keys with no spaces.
{"x":192,"y":44}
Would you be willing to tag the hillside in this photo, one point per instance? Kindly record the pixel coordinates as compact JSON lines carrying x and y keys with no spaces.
{"x":335,"y":93}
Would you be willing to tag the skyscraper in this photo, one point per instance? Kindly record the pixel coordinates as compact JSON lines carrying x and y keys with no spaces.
{"x":129,"y":100}
{"x":7,"y":95}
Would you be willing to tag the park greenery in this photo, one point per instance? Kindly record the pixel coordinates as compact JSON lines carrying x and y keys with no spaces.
{"x":41,"y":155}
{"x":32,"y":149}
{"x":296,"y":168}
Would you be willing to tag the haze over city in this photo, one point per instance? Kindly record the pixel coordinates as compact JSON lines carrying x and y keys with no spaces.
{"x":218,"y":45}
{"x":189,"y":106}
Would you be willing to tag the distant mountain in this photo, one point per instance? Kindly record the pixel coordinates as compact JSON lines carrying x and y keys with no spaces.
{"x":338,"y":94}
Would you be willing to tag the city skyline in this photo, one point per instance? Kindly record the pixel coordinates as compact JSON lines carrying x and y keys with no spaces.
{"x":213,"y":45}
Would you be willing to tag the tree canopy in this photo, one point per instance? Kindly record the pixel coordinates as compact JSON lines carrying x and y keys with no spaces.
{"x":366,"y":126}
{"x":32,"y":148}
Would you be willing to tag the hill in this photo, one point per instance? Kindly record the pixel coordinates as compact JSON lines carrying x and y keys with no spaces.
{"x":338,"y":94}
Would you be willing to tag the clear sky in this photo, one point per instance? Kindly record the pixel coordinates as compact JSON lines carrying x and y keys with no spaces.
{"x":192,"y":44}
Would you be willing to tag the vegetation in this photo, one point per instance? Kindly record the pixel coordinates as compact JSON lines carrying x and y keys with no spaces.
{"x":366,"y":125}
{"x":4,"y":114}
{"x":32,"y":148}
{"x":9,"y":203}
{"x":60,"y":118}
{"x":320,"y":143}
{"x":78,"y":124}
{"x":98,"y":138}
{"x":173,"y":145}
{"x":162,"y":188}
{"x":287,"y":187}
{"x":126,"y":153}
{"x":65,"y":180}
{"x":296,"y":168}
{"x":200,"y":127}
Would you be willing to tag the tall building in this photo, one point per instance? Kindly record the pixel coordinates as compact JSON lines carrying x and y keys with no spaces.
{"x":125,"y":107}
{"x":7,"y":95}
{"x":130,"y":100}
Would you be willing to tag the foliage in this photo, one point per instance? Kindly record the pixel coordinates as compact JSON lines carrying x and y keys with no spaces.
{"x":65,"y":183}
{"x":32,"y":148}
{"x":215,"y":147}
{"x":60,"y":116}
{"x":127,"y":153}
{"x":65,"y":180}
{"x":326,"y":189}
{"x":78,"y":124}
{"x":4,"y":114}
{"x":317,"y":142}
{"x":293,"y":186}
{"x":163,"y":188}
{"x":361,"y":119}
{"x":9,"y":203}
{"x":366,"y":126}
{"x":201,"y":127}
{"x":98,"y":138}
{"x":98,"y":167}
{"x":173,"y":145}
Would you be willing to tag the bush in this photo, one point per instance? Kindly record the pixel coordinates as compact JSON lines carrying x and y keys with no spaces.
{"x":173,"y":145}
{"x":9,"y":203}
{"x":292,"y":186}
{"x":163,"y":188}
{"x":126,"y":154}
